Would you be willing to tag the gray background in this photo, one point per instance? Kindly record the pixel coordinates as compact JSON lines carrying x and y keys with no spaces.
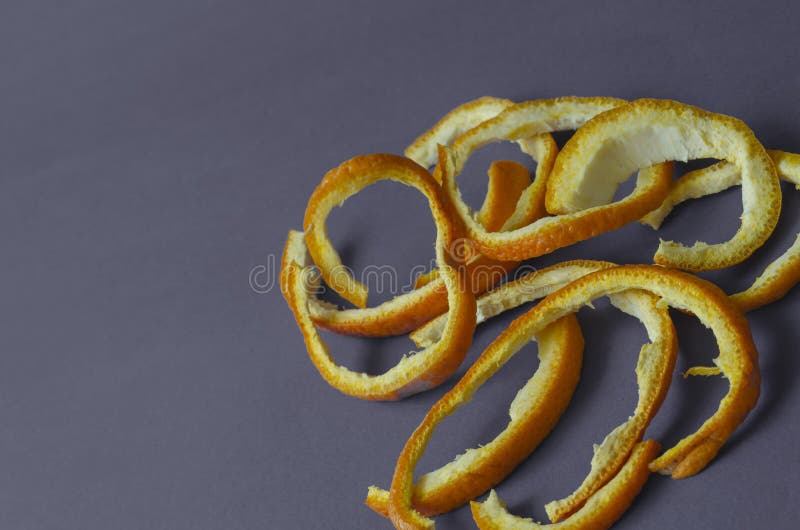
{"x":153,"y":153}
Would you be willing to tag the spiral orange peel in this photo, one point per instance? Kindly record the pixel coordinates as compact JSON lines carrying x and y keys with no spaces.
{"x":601,"y":511}
{"x":780,"y":275}
{"x":423,"y":150}
{"x":418,"y":371}
{"x":524,"y":235}
{"x":409,"y":310}
{"x":649,"y":131}
{"x":738,"y":361}
{"x":534,"y":412}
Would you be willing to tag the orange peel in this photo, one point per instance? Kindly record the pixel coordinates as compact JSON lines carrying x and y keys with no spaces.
{"x":780,"y":275}
{"x":649,"y":131}
{"x":532,"y":286}
{"x":408,"y":311}
{"x":533,"y":409}
{"x":507,"y":181}
{"x":533,"y":413}
{"x":656,"y":363}
{"x":738,"y":361}
{"x":423,"y":150}
{"x":600,"y":512}
{"x":421,"y":370}
{"x":524,"y":235}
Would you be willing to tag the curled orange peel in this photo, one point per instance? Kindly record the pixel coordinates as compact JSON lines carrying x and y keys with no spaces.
{"x":738,"y":361}
{"x":525,"y":235}
{"x":478,"y":469}
{"x":423,"y":150}
{"x":533,"y":413}
{"x":527,"y":288}
{"x":409,"y":310}
{"x":462,"y":122}
{"x":429,"y":299}
{"x":507,"y":181}
{"x":656,"y":362}
{"x":653,"y":376}
{"x":418,"y":371}
{"x":649,"y":131}
{"x":601,"y":511}
{"x":780,"y":275}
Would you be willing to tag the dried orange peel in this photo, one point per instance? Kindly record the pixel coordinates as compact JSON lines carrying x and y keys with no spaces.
{"x":521,"y":239}
{"x":780,"y":275}
{"x":737,"y":361}
{"x":532,"y":411}
{"x":423,"y":150}
{"x":527,"y":288}
{"x":648,"y":131}
{"x":409,"y":310}
{"x":421,"y":370}
{"x":600,"y":512}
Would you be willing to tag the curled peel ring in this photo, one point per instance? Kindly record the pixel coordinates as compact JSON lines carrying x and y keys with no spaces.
{"x":407,"y":311}
{"x":648,"y":131}
{"x":780,"y":275}
{"x":419,"y":371}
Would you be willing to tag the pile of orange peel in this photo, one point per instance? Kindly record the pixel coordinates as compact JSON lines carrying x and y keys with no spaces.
{"x":570,"y":198}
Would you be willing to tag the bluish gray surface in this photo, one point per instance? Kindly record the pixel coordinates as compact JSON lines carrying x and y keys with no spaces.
{"x":154,"y":153}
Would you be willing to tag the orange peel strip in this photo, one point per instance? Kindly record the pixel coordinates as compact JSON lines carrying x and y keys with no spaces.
{"x":423,"y":150}
{"x":507,"y":182}
{"x":522,"y":240}
{"x":409,"y":310}
{"x":415,"y":373}
{"x":600,"y":512}
{"x":532,"y":286}
{"x":473,"y":473}
{"x":533,"y":413}
{"x":462,"y":121}
{"x":419,"y":371}
{"x":653,"y":376}
{"x":780,"y":275}
{"x":738,"y":361}
{"x":648,"y":131}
